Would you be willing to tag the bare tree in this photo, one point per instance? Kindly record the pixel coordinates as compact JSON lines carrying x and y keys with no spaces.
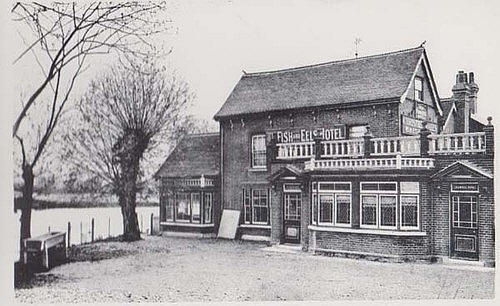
{"x":126,"y":113}
{"x":60,"y":37}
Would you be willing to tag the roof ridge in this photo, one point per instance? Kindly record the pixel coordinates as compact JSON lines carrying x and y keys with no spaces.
{"x":259,"y":73}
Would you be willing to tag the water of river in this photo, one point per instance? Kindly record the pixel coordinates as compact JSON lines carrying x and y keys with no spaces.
{"x":107,"y":222}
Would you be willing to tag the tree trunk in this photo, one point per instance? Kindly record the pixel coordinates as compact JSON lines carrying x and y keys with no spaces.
{"x":26,"y":205}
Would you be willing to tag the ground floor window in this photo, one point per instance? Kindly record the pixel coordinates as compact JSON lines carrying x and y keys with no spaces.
{"x":331,"y":203}
{"x":382,"y":201}
{"x":256,"y":206}
{"x":188,"y":207}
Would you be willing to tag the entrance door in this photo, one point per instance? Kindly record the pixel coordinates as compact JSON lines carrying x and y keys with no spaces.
{"x":291,"y":217}
{"x":464,"y":242}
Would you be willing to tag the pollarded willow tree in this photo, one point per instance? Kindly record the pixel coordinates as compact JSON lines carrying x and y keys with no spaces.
{"x":125,"y":114}
{"x":59,"y":38}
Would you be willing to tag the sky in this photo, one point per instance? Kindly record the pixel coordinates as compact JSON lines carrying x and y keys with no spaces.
{"x":216,"y":40}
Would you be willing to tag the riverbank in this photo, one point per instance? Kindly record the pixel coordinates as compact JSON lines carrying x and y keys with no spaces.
{"x":168,"y":269}
{"x":79,"y":200}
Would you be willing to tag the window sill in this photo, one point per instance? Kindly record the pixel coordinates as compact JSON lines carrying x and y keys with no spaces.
{"x":257,"y":169}
{"x":367,"y":231}
{"x":263,"y":226}
{"x":186,"y":224}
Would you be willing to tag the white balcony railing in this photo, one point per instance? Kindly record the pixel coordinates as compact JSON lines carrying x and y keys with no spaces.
{"x":343,"y":148}
{"x":197,"y":182}
{"x":295,"y":150}
{"x":408,"y":145}
{"x":397,"y":162}
{"x":457,"y":143}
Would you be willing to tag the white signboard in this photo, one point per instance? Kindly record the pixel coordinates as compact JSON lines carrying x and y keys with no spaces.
{"x":412,"y":126}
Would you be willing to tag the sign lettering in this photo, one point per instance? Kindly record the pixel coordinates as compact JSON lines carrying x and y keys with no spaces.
{"x":465,"y":187}
{"x":306,"y":135}
{"x":412,"y":126}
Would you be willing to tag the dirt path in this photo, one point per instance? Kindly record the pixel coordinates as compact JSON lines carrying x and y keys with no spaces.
{"x":184,"y":270}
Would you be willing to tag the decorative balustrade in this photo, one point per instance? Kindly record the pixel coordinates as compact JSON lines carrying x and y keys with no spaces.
{"x":197,"y":182}
{"x":295,"y":150}
{"x":457,"y":143}
{"x":343,"y":148}
{"x":386,"y":146}
{"x":397,"y":162}
{"x":408,"y":145}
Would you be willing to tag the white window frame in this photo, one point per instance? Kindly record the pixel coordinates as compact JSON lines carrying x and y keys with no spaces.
{"x":378,"y":194}
{"x":254,"y":137}
{"x":421,"y":80}
{"x":335,"y":210}
{"x":334,"y":193}
{"x":252,"y":206}
{"x":379,"y":211}
{"x":211,"y":196}
{"x":401,"y":212}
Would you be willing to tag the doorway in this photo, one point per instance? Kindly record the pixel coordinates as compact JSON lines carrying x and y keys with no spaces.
{"x":292,"y":203}
{"x":464,"y":229}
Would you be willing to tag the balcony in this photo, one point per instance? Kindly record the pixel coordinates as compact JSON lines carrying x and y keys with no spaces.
{"x":407,"y":152}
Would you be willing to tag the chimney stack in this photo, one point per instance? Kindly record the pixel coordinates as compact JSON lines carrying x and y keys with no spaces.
{"x":465,"y":97}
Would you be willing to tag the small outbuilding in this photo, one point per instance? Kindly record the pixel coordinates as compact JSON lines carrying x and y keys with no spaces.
{"x":189,"y":180}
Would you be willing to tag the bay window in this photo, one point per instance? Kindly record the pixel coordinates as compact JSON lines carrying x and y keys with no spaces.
{"x":256,"y":206}
{"x":331,"y":203}
{"x":188,"y":207}
{"x":381,"y":203}
{"x":409,"y":200}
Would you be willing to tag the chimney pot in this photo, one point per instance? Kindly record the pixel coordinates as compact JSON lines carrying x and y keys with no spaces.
{"x":471,"y":77}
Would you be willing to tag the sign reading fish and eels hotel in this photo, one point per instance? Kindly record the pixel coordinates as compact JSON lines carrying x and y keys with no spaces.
{"x":305,"y":135}
{"x":342,"y":163}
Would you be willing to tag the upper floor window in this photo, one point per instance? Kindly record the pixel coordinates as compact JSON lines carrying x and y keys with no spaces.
{"x":419,"y":89}
{"x":259,"y":151}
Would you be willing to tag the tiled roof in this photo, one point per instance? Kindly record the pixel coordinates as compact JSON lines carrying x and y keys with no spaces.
{"x":377,"y":77}
{"x":194,"y":155}
{"x":446,"y":104}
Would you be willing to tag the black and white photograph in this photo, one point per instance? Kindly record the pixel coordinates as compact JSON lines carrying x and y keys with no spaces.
{"x":249,"y":152}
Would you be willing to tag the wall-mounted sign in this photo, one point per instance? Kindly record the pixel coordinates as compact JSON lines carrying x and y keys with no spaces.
{"x":412,"y":126}
{"x":465,"y":187}
{"x":304,"y":135}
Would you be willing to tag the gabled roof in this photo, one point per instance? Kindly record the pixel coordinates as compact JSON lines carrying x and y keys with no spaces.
{"x":288,"y":170}
{"x":194,"y":155}
{"x":460,"y":164}
{"x":372,"y":78}
{"x":448,"y":108}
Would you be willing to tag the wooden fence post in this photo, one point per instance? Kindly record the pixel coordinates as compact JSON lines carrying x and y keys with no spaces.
{"x":109,"y":227}
{"x":151,"y":226}
{"x":92,"y":236}
{"x":81,"y":232}
{"x":69,"y":234}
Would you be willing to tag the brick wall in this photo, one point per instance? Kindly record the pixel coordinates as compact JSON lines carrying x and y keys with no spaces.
{"x":383,"y":120}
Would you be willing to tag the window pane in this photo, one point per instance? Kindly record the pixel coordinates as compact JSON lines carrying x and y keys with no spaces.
{"x":248,"y":211}
{"x":207,"y":208}
{"x":259,"y":150}
{"x":410,"y":187}
{"x":343,"y":211}
{"x":315,"y":209}
{"x":195,"y":207}
{"x":369,"y":186}
{"x":325,"y":208}
{"x":183,"y":211}
{"x":409,"y":211}
{"x":169,"y":208}
{"x":369,"y":210}
{"x":326,"y":186}
{"x":387,"y":211}
{"x":342,"y":186}
{"x":292,"y":206}
{"x":260,"y":205}
{"x":387,"y":186}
